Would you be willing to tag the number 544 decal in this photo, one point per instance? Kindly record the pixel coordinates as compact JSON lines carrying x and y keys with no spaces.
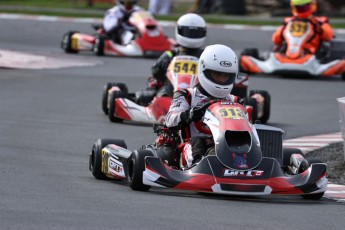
{"x":185,"y":67}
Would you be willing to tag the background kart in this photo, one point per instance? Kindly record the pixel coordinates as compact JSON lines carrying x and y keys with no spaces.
{"x":143,"y":37}
{"x":120,"y":105}
{"x":240,"y":165}
{"x":293,"y":60}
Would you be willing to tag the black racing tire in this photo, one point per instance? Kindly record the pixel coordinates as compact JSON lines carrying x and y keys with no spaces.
{"x":315,"y":196}
{"x":95,"y":159}
{"x":252,"y":102}
{"x":253,"y":52}
{"x":112,"y":107}
{"x":240,"y":91}
{"x":136,"y":167}
{"x":106,"y":87}
{"x":343,"y":76}
{"x":98,"y":47}
{"x":287,"y":152}
{"x":267,"y":104}
{"x":66,"y":42}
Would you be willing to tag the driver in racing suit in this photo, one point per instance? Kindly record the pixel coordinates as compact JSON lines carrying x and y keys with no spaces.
{"x":217,"y":71}
{"x":190,"y":35}
{"x":303,"y":10}
{"x":116,"y":16}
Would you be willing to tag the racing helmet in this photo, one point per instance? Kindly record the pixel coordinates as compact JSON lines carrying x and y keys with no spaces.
{"x":217,"y":70}
{"x":303,"y":8}
{"x":190,"y":31}
{"x":126,"y":4}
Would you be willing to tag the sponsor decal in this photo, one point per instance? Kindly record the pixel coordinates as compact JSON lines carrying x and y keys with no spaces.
{"x":115,"y":166}
{"x":240,"y":161}
{"x":225,"y":63}
{"x":249,"y":173}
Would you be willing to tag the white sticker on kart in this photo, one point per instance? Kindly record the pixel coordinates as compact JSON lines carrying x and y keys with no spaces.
{"x":20,"y":60}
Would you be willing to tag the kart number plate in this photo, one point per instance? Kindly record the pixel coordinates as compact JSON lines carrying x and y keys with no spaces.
{"x":297,"y":29}
{"x":231,"y":113}
{"x":185,"y":67}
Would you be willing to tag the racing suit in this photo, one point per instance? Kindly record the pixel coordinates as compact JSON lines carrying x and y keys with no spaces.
{"x":200,"y":142}
{"x":322,"y":32}
{"x":114,"y":19}
{"x":159,"y":84}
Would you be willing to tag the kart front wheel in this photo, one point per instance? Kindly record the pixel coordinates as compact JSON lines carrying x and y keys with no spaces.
{"x":95,"y":158}
{"x":112,"y":105}
{"x":266,"y":104}
{"x":314,"y":196}
{"x":105,"y":95}
{"x":98,"y":47}
{"x":66,"y":43}
{"x":136,"y":167}
{"x":287,"y":152}
{"x":343,"y":76}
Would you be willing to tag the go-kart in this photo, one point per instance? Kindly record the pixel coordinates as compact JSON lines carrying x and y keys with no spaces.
{"x":245,"y":161}
{"x":121,"y":105}
{"x":142,"y":37}
{"x":292,"y":60}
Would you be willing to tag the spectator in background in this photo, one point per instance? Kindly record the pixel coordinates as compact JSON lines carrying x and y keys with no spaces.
{"x":203,"y":6}
{"x":116,"y":18}
{"x":159,"y":7}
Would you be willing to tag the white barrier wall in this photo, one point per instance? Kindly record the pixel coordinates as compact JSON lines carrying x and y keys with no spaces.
{"x":341,"y":105}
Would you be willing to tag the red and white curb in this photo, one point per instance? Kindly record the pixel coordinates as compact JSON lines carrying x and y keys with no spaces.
{"x":335,"y":192}
{"x":20,"y":60}
{"x":311,"y":143}
{"x":163,"y":23}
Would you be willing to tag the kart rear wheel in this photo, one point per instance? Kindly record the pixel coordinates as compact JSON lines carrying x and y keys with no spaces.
{"x":239,"y":91}
{"x":66,"y":43}
{"x":95,"y":160}
{"x":267,"y":104}
{"x":112,"y":106}
{"x":253,"y":52}
{"x":252,"y":102}
{"x":136,"y":167}
{"x":106,"y":87}
{"x":343,"y":76}
{"x":315,"y":196}
{"x":98,"y":47}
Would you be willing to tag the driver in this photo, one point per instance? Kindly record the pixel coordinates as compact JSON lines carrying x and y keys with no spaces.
{"x":190,"y":35}
{"x":217,"y":71}
{"x":116,"y":16}
{"x":303,"y":10}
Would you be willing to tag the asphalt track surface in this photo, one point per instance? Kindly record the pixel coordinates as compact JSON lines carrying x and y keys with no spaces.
{"x":50,"y":118}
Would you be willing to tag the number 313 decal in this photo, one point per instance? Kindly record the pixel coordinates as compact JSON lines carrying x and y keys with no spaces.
{"x":232,"y":113}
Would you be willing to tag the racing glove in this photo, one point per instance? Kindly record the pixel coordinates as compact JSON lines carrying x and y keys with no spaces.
{"x":193,"y":114}
{"x":240,"y":100}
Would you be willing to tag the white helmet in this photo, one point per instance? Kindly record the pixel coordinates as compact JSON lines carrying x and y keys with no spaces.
{"x":190,"y":31}
{"x":218,"y":61}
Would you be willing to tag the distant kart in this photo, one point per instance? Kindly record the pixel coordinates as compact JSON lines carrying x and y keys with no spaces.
{"x":143,"y":37}
{"x":293,"y":60}
{"x":120,"y":105}
{"x":244,"y":162}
